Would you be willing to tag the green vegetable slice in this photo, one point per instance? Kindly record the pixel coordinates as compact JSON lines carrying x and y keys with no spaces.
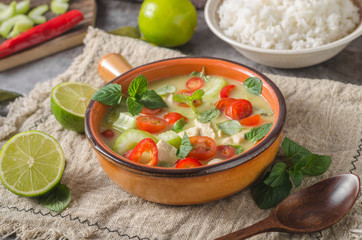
{"x":3,"y":7}
{"x":213,"y":87}
{"x":8,"y":12}
{"x":15,"y":25}
{"x":129,"y":139}
{"x":22,"y":7}
{"x":59,"y":6}
{"x":36,"y":14}
{"x":125,"y":121}
{"x":171,"y":137}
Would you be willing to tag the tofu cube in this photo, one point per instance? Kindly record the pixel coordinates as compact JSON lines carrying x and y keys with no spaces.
{"x":205,"y":129}
{"x":166,"y":152}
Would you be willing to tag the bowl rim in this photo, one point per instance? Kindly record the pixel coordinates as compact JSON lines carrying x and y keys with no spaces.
{"x":240,"y":159}
{"x":340,"y":42}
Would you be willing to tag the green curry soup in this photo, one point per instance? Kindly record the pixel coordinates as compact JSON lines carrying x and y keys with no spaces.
{"x":207,"y":119}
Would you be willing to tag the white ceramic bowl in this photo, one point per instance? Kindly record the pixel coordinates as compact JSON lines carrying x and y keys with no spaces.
{"x":280,"y":58}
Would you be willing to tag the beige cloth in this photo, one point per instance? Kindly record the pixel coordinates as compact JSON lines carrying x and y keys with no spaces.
{"x":323,"y":115}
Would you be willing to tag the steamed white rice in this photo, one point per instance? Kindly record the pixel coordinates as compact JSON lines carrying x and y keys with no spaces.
{"x":287,"y":24}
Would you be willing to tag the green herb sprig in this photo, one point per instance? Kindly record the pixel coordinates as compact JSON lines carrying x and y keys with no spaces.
{"x":254,"y":85}
{"x":57,"y":199}
{"x":138,"y":96}
{"x":201,"y":74}
{"x":179,"y":125}
{"x":185,"y":147}
{"x":278,"y":183}
{"x":230,"y":127}
{"x":189,"y":100}
{"x":208,"y":115}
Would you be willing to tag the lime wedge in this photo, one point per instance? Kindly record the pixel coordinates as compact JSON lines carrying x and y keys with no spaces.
{"x":69,"y":102}
{"x":31,"y":163}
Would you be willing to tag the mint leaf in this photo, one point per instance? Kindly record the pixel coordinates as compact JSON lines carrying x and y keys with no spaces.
{"x":262,"y":112}
{"x":138,"y":87}
{"x":230,"y":127}
{"x":165,"y":89}
{"x":133,"y":106}
{"x":293,"y":150}
{"x":195,"y":74}
{"x":197,"y":95}
{"x":254,"y":85}
{"x":185,"y":147}
{"x":179,"y":98}
{"x":8,"y":95}
{"x":150,"y":99}
{"x":208,"y":115}
{"x":58,"y":198}
{"x":278,"y":175}
{"x":313,"y":164}
{"x":258,"y":133}
{"x":110,"y":94}
{"x":296,"y":176}
{"x":200,"y":74}
{"x":5,"y":98}
{"x":238,"y":149}
{"x":267,"y":197}
{"x":179,"y":125}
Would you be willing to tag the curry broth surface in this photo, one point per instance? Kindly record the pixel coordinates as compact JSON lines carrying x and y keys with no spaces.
{"x":238,"y":92}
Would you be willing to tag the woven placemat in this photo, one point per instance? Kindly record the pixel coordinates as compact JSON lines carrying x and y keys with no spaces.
{"x":323,"y":115}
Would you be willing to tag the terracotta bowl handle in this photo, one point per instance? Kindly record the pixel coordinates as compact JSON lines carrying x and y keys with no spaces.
{"x":111,"y":66}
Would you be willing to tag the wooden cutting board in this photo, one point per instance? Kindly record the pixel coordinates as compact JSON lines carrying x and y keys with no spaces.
{"x":67,"y":40}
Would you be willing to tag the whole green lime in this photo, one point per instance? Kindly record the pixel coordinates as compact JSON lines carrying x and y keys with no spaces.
{"x":167,"y":23}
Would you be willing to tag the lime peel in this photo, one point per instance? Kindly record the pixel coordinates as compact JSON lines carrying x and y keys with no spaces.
{"x":69,"y":102}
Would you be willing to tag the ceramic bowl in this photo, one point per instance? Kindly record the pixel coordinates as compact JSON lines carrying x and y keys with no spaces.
{"x":280,"y":58}
{"x":193,"y":185}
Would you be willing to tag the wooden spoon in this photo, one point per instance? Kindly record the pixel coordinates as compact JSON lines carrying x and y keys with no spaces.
{"x":310,"y":210}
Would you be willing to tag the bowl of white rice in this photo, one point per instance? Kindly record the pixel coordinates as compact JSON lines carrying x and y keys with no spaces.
{"x":286,"y":33}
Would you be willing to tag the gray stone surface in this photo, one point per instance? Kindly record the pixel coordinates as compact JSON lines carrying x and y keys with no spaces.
{"x":345,"y":67}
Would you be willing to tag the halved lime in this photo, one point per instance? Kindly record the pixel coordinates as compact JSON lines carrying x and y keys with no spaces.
{"x":31,"y":163}
{"x":69,"y":102}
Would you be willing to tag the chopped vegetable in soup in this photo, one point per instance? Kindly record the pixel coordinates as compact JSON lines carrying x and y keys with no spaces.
{"x":187,"y":121}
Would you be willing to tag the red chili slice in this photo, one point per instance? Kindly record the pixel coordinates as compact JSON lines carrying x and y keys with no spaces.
{"x":203,"y":147}
{"x":41,"y":32}
{"x":126,"y":154}
{"x":224,"y":93}
{"x":148,"y":111}
{"x":225,"y":151}
{"x":107,"y":133}
{"x":172,"y":117}
{"x":251,"y":121}
{"x":195,"y":83}
{"x":239,"y":109}
{"x":146,"y":145}
{"x":188,"y":163}
{"x":150,"y":124}
{"x":224,"y":102}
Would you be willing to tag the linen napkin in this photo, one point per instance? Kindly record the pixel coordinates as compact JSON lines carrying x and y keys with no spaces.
{"x":322,"y":115}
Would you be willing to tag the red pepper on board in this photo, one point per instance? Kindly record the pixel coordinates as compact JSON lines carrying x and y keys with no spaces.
{"x":41,"y":32}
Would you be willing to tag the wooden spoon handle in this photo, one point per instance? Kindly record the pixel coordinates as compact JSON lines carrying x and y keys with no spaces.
{"x":259,"y":227}
{"x":111,"y":66}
